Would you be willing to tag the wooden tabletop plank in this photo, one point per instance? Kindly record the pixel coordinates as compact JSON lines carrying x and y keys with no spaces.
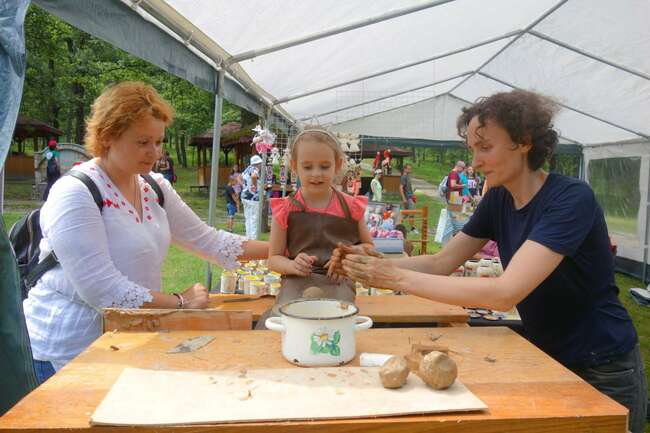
{"x":382,"y":309}
{"x":524,"y":389}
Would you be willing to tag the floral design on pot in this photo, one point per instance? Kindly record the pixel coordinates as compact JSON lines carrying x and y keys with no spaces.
{"x":322,"y":343}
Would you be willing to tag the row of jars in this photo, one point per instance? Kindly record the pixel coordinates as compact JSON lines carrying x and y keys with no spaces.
{"x":252,"y":278}
{"x":486,"y":268}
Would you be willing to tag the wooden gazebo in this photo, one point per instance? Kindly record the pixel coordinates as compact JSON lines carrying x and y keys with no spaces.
{"x":19,"y":165}
{"x":27,"y":127}
{"x":233,"y":137}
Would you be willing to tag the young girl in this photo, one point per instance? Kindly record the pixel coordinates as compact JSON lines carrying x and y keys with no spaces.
{"x":308,"y":224}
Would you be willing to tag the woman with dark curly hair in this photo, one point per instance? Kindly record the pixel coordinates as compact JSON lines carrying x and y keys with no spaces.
{"x":553,"y":242}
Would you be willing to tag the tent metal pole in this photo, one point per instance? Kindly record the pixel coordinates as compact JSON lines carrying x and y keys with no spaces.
{"x":646,"y":246}
{"x":214,"y":168}
{"x":335,"y":31}
{"x":453,"y":77}
{"x":586,"y":54}
{"x":2,"y":189}
{"x":515,"y":39}
{"x":568,"y":107}
{"x":399,"y":68}
{"x":262,"y":182}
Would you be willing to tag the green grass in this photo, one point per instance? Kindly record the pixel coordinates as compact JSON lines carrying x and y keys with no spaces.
{"x":621,"y":224}
{"x":431,"y":172}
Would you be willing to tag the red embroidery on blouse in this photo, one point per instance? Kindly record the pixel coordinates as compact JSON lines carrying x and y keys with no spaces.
{"x":146,"y":199}
{"x":149,"y":217}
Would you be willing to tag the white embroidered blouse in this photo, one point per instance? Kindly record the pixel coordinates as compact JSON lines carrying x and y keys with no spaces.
{"x":108,"y":259}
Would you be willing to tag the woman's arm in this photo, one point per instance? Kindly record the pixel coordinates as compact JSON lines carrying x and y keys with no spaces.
{"x":502,"y":293}
{"x":192,"y":234}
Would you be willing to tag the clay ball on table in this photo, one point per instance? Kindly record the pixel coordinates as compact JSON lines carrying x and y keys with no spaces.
{"x":394,"y":372}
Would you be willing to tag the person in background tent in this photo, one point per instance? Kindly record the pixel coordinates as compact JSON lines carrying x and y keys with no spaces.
{"x":553,"y":242}
{"x":473,"y":182}
{"x":165,"y":166}
{"x":386,"y":164}
{"x":407,"y":194}
{"x":308,"y":224}
{"x":235,"y":172}
{"x":250,"y":196}
{"x":377,"y":162}
{"x":53,"y":167}
{"x":232,"y":201}
{"x":375,"y":186}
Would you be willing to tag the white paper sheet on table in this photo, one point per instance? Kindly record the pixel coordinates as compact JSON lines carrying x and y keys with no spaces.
{"x":148,"y":397}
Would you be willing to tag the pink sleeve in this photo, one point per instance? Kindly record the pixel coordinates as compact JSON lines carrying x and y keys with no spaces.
{"x":357,"y":205}
{"x":280,"y":211}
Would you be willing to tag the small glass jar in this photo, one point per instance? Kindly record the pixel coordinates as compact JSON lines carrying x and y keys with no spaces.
{"x":470,"y":268}
{"x":228,"y":282}
{"x":274,"y":289}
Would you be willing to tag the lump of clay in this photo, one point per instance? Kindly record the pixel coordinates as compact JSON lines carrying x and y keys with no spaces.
{"x":394,"y":372}
{"x":438,"y":370}
{"x":313,"y":292}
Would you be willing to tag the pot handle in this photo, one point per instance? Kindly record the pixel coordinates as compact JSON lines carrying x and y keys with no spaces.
{"x":274,"y":324}
{"x":363,"y":322}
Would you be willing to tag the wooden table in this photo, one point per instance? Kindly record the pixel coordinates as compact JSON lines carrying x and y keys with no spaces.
{"x":381,"y":309}
{"x":524,"y":389}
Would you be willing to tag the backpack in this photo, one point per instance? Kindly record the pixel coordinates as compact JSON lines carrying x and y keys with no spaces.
{"x":443,"y":188}
{"x":25,"y":235}
{"x":52,"y":169}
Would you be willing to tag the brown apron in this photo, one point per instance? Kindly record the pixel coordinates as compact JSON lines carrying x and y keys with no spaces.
{"x":315,"y":234}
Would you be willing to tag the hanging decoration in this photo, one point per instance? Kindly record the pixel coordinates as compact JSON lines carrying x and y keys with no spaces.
{"x":263,"y":140}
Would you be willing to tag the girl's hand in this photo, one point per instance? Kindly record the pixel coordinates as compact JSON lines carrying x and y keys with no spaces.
{"x":373,"y":272}
{"x":195,"y":297}
{"x":302,"y":264}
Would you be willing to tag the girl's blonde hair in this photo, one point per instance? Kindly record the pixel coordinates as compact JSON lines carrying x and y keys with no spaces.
{"x":319,"y":135}
{"x":115,"y":110}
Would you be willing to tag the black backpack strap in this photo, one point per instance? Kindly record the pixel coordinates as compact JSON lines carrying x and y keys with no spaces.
{"x":51,"y":260}
{"x":154,"y":185}
{"x":90,"y":184}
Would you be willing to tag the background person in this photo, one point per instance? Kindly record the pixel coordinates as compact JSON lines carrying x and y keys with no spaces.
{"x":53,"y":166}
{"x":250,"y":196}
{"x":232,"y":202}
{"x":375,"y":186}
{"x":406,"y":192}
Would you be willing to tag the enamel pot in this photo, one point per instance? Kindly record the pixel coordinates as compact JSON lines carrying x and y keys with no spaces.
{"x":318,"y":332}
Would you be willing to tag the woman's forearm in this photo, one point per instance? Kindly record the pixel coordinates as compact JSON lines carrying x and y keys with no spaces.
{"x":430,"y":264}
{"x":161,"y":300}
{"x":254,"y":250}
{"x":465,"y":292}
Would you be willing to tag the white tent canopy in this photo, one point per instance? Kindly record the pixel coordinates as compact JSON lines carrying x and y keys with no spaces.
{"x":403,"y":68}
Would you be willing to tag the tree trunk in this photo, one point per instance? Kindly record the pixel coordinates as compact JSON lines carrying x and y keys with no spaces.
{"x":183,"y":151}
{"x":80,"y":112}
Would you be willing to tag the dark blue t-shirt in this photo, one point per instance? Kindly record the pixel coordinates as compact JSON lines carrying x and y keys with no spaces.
{"x":575,"y":314}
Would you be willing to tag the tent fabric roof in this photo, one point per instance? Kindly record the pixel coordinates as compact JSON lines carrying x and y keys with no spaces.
{"x":584,"y":53}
